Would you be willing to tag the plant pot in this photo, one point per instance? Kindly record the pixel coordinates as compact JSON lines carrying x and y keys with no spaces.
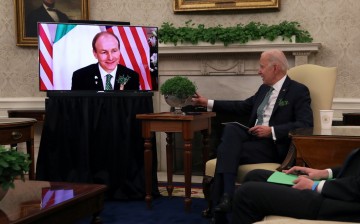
{"x":177,"y":102}
{"x":262,"y":41}
{"x":278,"y":40}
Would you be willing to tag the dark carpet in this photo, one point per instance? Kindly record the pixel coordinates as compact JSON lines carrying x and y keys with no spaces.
{"x":165,"y":210}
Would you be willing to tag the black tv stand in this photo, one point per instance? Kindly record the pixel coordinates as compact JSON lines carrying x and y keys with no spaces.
{"x":94,"y":137}
{"x":68,"y":93}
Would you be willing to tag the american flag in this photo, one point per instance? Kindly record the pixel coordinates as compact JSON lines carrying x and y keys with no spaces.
{"x":62,"y":51}
{"x":134,"y":52}
{"x":45,"y":59}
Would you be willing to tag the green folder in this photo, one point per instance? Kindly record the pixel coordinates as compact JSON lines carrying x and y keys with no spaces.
{"x":282,"y":178}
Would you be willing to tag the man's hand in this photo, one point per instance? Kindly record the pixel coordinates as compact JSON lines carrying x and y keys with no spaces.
{"x":261,"y":131}
{"x":303,"y":183}
{"x":198,"y":100}
{"x":313,"y":174}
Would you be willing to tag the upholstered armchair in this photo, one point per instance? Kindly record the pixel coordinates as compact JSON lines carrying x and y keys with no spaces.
{"x":321,"y":83}
{"x":287,"y":220}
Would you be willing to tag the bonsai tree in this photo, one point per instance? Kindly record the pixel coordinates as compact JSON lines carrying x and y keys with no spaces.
{"x":13,"y":164}
{"x":178,"y":86}
{"x":177,"y":92}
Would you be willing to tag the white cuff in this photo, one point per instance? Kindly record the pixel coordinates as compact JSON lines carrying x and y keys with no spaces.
{"x":330,"y":173}
{"x":273,"y":133}
{"x":210,"y":105}
{"x":320,"y":186}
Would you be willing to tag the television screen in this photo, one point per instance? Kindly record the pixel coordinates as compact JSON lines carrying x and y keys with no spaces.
{"x":68,"y":60}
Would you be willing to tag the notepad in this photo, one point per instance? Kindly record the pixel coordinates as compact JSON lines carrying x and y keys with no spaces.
{"x":235,"y":122}
{"x":283,"y":178}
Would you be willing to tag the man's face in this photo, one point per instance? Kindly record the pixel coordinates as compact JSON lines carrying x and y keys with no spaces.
{"x":267,"y":71}
{"x":107,"y":52}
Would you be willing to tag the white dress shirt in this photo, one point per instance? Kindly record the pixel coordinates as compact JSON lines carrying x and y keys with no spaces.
{"x":52,"y":13}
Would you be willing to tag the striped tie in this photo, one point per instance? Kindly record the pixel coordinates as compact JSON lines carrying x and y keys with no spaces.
{"x":108,"y":82}
{"x":261,"y":108}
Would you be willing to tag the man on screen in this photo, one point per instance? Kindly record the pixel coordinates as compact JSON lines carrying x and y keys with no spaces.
{"x":107,"y":74}
{"x":45,"y":13}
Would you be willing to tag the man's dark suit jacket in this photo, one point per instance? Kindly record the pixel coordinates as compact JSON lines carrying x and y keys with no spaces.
{"x":292,"y":110}
{"x":346,"y":186}
{"x":40,"y":15}
{"x":89,"y":78}
{"x":339,"y":199}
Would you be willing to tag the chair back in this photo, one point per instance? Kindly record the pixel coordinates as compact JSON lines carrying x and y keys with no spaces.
{"x":321,"y":83}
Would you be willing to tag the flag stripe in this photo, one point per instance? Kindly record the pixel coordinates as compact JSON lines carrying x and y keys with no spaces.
{"x":62,"y":30}
{"x":45,"y":58}
{"x":130,"y":53}
{"x":134,"y":52}
{"x":45,"y":68}
{"x":142,"y":59}
{"x":44,"y":38}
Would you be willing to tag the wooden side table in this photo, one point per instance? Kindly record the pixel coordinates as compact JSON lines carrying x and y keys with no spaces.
{"x":169,"y":123}
{"x":322,"y":149}
{"x":25,"y":203}
{"x":17,"y":130}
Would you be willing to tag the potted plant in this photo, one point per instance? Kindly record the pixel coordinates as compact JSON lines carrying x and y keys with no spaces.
{"x":13,"y":165}
{"x":192,"y":33}
{"x":178,"y":91}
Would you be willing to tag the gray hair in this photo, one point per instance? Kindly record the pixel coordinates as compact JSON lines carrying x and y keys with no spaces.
{"x":276,"y":56}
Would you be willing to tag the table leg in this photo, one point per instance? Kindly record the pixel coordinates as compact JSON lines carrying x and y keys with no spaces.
{"x":96,"y":219}
{"x":187,"y":172}
{"x":148,"y":171}
{"x":205,"y":150}
{"x":299,"y":161}
{"x":169,"y":163}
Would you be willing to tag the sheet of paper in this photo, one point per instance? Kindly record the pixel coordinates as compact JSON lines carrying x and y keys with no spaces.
{"x":282,"y":178}
{"x":235,"y":122}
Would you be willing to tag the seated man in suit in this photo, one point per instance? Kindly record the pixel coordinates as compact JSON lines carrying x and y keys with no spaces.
{"x":107,"y":74}
{"x":279,"y":105}
{"x":330,"y":199}
{"x":45,"y":13}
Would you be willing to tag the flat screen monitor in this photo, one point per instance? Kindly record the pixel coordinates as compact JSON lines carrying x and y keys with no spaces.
{"x":66,"y":48}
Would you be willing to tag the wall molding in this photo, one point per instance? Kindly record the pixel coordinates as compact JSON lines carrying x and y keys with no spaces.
{"x":10,"y":103}
{"x":300,"y":49}
{"x":345,"y":105}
